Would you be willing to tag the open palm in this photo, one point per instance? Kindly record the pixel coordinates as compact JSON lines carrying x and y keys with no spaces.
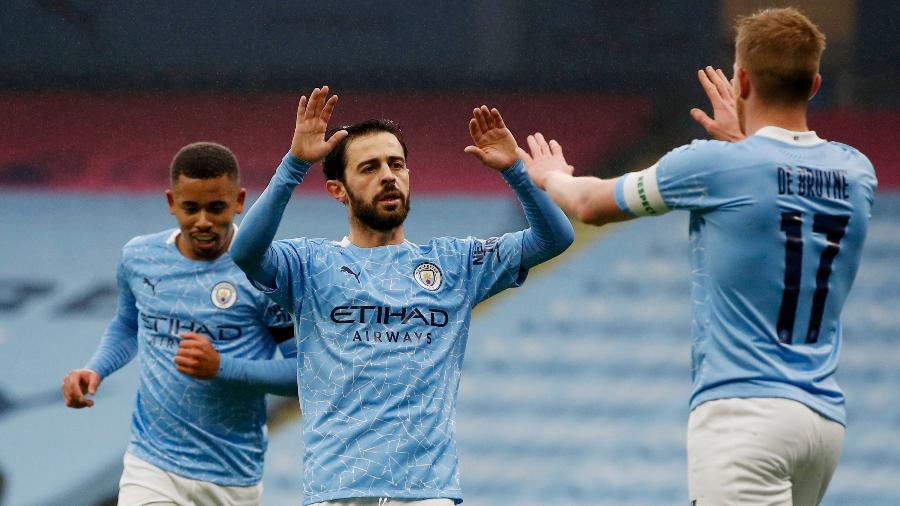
{"x":494,"y":144}
{"x":313,"y":116}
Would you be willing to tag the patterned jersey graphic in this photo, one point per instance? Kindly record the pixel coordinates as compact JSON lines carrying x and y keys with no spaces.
{"x":383,"y":334}
{"x":206,"y":430}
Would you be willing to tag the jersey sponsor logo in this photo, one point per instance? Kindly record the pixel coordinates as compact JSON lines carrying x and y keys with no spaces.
{"x":168,"y":328}
{"x":349,"y":271}
{"x":432,"y":316}
{"x":429,"y":276}
{"x":223,"y":295}
{"x":486,"y":248}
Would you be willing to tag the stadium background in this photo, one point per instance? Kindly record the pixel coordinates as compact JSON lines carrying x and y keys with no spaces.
{"x":575,"y":386}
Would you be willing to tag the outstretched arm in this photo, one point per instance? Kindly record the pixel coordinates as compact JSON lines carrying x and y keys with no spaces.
{"x":591,"y":200}
{"x":549,"y":232}
{"x":251,"y":250}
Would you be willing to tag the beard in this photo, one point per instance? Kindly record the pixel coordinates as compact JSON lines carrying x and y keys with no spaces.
{"x":369,"y":214}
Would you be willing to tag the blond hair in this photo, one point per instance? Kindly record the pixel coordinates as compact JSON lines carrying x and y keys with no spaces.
{"x":780,"y":49}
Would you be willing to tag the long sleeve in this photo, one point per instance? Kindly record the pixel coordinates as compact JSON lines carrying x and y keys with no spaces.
{"x":119,"y":343}
{"x":251,"y":249}
{"x":277,"y":376}
{"x":549,"y":232}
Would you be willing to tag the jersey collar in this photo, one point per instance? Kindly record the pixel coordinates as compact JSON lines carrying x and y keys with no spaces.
{"x":790,"y":137}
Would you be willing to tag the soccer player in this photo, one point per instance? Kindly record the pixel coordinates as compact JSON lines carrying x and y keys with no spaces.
{"x":777,"y":224}
{"x":204,"y":339}
{"x":384,"y":322}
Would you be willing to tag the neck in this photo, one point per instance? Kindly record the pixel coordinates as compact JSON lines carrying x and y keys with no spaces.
{"x":364,"y":236}
{"x":757,"y":115}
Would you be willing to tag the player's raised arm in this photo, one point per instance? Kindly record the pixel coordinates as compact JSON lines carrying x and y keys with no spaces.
{"x":251,"y":248}
{"x":590,"y":199}
{"x":549,"y":232}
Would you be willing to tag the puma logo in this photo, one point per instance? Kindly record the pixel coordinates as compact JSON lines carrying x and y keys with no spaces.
{"x":151,"y":285}
{"x":346,"y":269}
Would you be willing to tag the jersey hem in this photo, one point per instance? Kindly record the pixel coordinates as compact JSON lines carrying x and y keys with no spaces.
{"x":168,"y":467}
{"x":453,"y":494}
{"x":812,"y":402}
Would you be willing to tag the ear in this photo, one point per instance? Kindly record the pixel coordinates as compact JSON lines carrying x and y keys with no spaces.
{"x":743,"y":83}
{"x":242,"y":194}
{"x":171,"y":200}
{"x":336,"y":189}
{"x":817,"y":82}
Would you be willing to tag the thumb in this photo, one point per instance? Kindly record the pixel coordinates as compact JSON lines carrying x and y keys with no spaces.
{"x":521,"y":153}
{"x":93,"y":383}
{"x":336,"y":139}
{"x":702,"y":118}
{"x":478,"y":152}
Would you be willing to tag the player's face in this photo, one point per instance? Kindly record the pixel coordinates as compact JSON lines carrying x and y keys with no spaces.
{"x":205,"y":209}
{"x":377,"y":181}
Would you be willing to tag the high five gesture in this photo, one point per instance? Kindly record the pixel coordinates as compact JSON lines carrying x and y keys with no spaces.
{"x":313,"y":115}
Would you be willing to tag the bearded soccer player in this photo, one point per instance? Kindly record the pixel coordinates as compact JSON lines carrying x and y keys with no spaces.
{"x":777,"y":223}
{"x":204,"y":339}
{"x":384,"y":321}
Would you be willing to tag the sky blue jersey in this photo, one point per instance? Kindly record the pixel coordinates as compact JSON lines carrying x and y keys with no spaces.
{"x":383,"y":335}
{"x":209,"y":430}
{"x":777,"y":227}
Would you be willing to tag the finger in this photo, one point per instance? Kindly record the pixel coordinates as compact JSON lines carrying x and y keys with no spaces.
{"x":711,"y":91}
{"x":482,"y":121}
{"x":310,"y":111}
{"x":93,"y":383}
{"x":335,"y":139}
{"x":474,"y":129}
{"x":555,"y":148}
{"x":185,"y":362}
{"x":301,"y":107}
{"x":488,"y":118}
{"x":329,"y":108}
{"x":472,"y":150}
{"x":320,"y":106}
{"x":497,"y":119}
{"x":533,"y":146}
{"x":521,"y":153}
{"x":702,"y":118}
{"x":542,"y":143}
{"x":721,"y":86}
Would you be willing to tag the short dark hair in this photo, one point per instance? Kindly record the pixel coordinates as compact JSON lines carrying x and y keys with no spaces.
{"x":335,"y":162}
{"x":204,"y":160}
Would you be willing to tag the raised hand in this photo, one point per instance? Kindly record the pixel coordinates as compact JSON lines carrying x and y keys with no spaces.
{"x":544,"y":159}
{"x":313,"y":115}
{"x":494,"y":144}
{"x":724,"y":125}
{"x":79,"y":383}
{"x":197,"y":357}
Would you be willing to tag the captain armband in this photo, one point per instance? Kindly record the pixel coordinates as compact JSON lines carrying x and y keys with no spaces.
{"x":638,"y":193}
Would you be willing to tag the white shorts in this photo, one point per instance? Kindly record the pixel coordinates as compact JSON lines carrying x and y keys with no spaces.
{"x":760,"y":451}
{"x":385,"y":501}
{"x":143,"y":484}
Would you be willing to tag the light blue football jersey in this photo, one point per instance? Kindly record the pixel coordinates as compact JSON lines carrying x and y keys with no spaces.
{"x":208,"y":430}
{"x":383,"y":334}
{"x":777,"y":227}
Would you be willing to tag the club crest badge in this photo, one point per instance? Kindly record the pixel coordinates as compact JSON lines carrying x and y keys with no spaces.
{"x":224,"y":295}
{"x":429,"y":276}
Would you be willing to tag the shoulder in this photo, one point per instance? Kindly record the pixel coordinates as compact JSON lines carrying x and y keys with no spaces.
{"x":141,"y":243}
{"x":853,"y":153}
{"x":698,"y":150}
